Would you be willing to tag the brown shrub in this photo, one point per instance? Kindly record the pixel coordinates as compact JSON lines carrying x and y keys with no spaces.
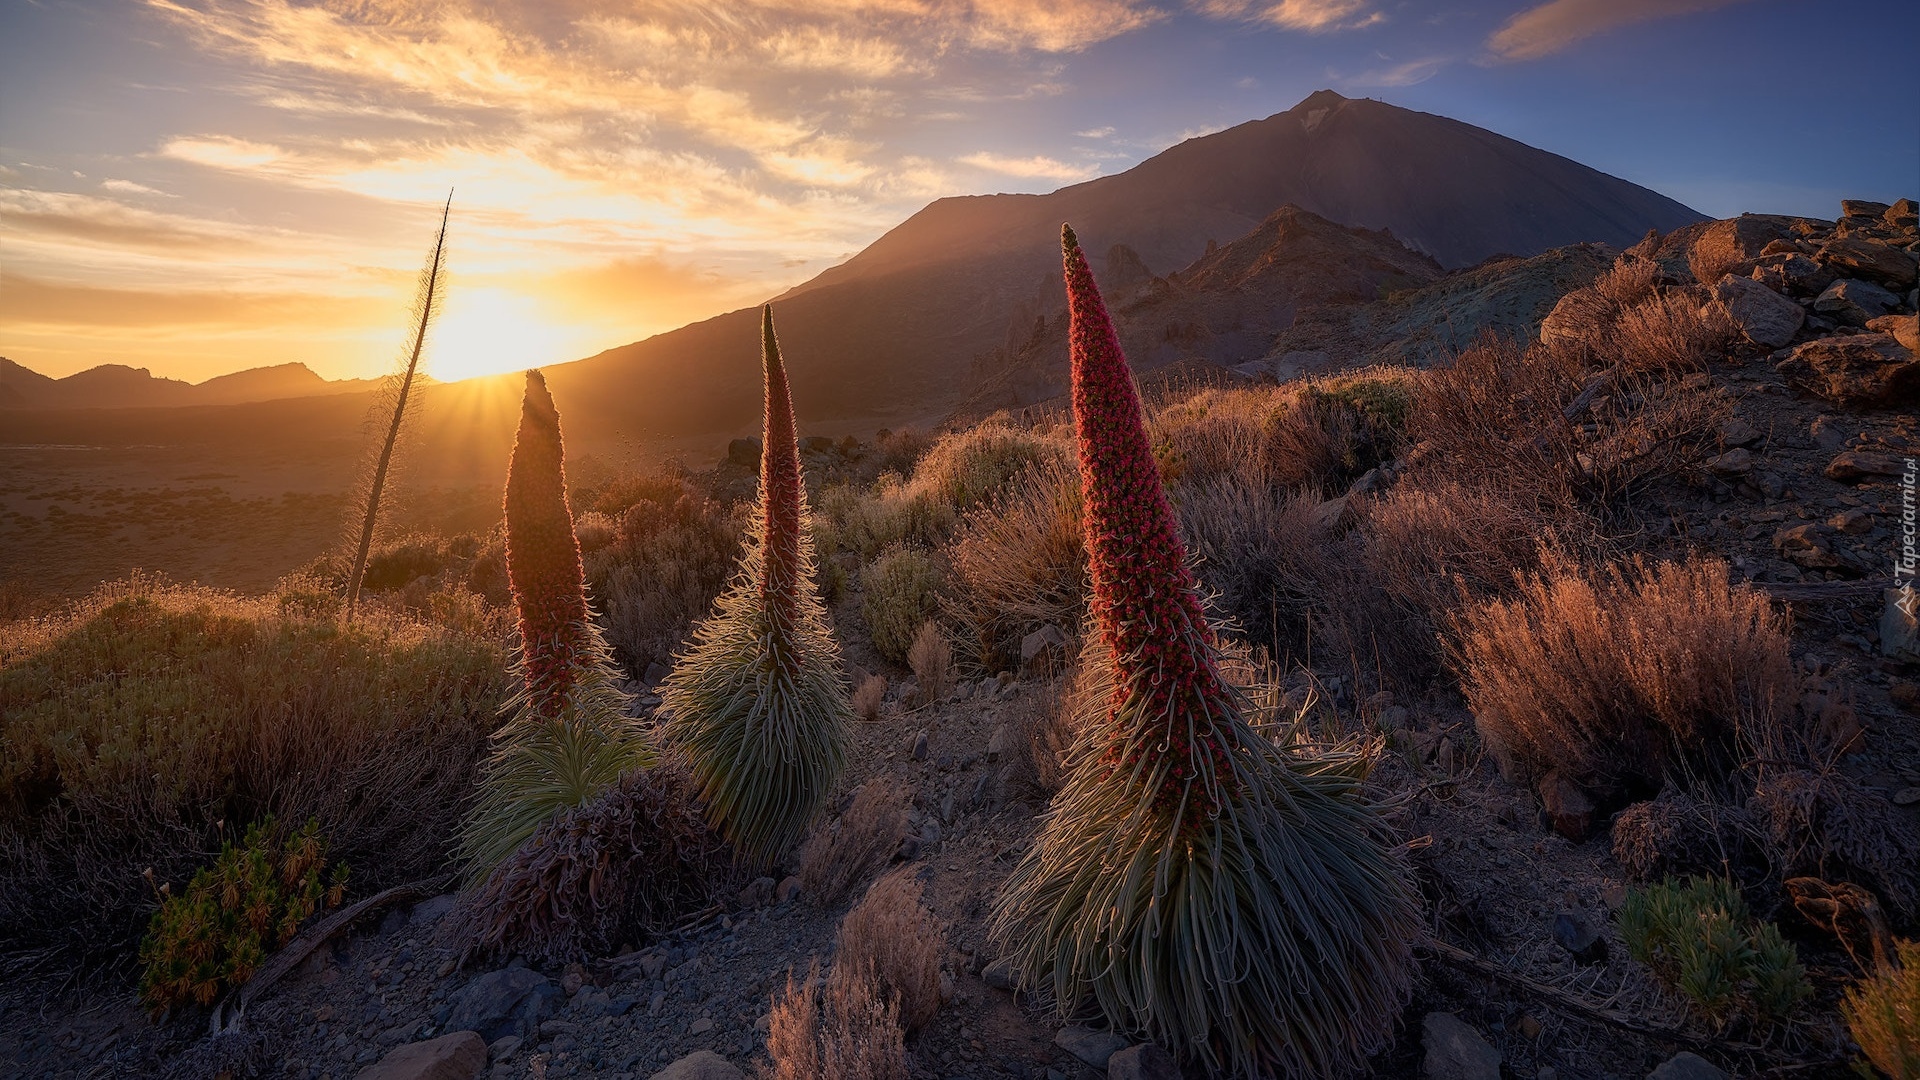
{"x":1823,"y":824}
{"x":1260,"y":551}
{"x":931,"y":659}
{"x":840,"y":855}
{"x":1678,"y":330}
{"x":1625,"y":677}
{"x":891,"y":941}
{"x":833,"y":1029}
{"x":1677,"y":835}
{"x":868,"y":696}
{"x":1582,"y":322}
{"x":899,"y":590}
{"x":623,"y":867}
{"x":1019,"y":563}
{"x":672,"y":553}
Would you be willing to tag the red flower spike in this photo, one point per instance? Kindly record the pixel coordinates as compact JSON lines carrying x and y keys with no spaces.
{"x":780,"y":475}
{"x":543,"y":557}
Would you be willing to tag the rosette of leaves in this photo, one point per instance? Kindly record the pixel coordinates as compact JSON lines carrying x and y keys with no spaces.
{"x":567,"y":737}
{"x":1233,"y":900}
{"x":759,"y":704}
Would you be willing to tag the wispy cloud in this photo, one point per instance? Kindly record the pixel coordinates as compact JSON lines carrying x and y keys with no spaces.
{"x":1313,"y":16}
{"x":1037,"y":167}
{"x":1406,"y":73}
{"x":128,"y":187}
{"x":1547,"y":29}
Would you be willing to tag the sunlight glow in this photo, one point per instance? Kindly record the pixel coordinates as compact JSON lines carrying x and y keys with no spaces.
{"x":488,"y":331}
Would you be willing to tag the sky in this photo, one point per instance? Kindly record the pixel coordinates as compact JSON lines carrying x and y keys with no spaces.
{"x":200,"y":186}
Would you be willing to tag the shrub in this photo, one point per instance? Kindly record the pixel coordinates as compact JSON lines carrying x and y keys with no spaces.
{"x":1625,"y":678}
{"x":1824,"y":824}
{"x":759,"y":704}
{"x":1046,"y":723}
{"x":220,"y":709}
{"x":841,"y":855}
{"x":1260,"y":551}
{"x":216,"y":933}
{"x":1676,"y":834}
{"x":567,"y":737}
{"x":1132,"y":860}
{"x":1700,"y":942}
{"x":1332,"y":432}
{"x":834,"y":1029}
{"x":625,"y":866}
{"x":671,"y":556}
{"x":1583,"y":320}
{"x":1677,"y":330}
{"x":931,"y":659}
{"x":1019,"y":563}
{"x":1883,"y":1015}
{"x":899,"y":590}
{"x":893,"y":942}
{"x":971,"y":466}
{"x":868,"y":697}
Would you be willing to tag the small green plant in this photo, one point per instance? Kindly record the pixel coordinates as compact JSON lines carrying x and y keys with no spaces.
{"x":214,"y":936}
{"x":1883,"y":1015}
{"x":900,"y":590}
{"x":1701,"y":942}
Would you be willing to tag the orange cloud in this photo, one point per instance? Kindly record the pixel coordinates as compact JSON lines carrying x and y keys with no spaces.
{"x":1551,"y":27}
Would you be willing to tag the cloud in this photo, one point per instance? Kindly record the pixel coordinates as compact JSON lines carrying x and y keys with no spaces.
{"x":1037,"y":167}
{"x":1312,"y":16}
{"x":1410,"y":73}
{"x":92,"y":221}
{"x":1547,"y":29}
{"x":128,"y":187}
{"x":29,"y":304}
{"x":1093,"y":133}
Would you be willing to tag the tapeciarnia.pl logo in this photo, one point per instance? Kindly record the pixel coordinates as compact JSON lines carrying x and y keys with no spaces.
{"x":1904,"y":559}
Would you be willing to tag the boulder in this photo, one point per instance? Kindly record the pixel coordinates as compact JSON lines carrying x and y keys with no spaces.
{"x":1804,"y":277}
{"x":818,"y":444}
{"x":745,"y":452}
{"x":1044,"y":650}
{"x":1858,"y":370}
{"x":1687,"y":1066}
{"x":1732,"y":245}
{"x":1455,"y":1051}
{"x":1904,"y":329}
{"x":1144,"y":1061}
{"x":788,"y":888}
{"x":700,"y":1065}
{"x":1578,"y":937}
{"x":758,"y":893}
{"x":508,"y":1002}
{"x":1863,"y":208}
{"x":1733,"y":463}
{"x":1903,"y":214}
{"x":1569,"y":808}
{"x":1857,"y":257}
{"x":459,"y":1056}
{"x":1853,"y":301}
{"x":1764,"y":316}
{"x":1853,"y":466}
{"x":1091,"y":1046}
{"x":1808,"y":546}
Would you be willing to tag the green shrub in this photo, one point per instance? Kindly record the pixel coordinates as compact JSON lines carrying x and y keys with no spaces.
{"x":671,"y":555}
{"x":1883,"y":1015}
{"x":215,"y":934}
{"x":149,"y":713}
{"x":966,"y":467}
{"x":899,"y":591}
{"x":1700,"y":941}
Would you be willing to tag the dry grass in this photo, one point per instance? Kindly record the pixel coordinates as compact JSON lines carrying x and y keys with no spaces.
{"x":891,"y":941}
{"x":1883,"y":1015}
{"x":839,"y":856}
{"x":931,"y":659}
{"x":868,"y":697}
{"x":833,"y":1029}
{"x":1583,"y":320}
{"x":1259,"y":552}
{"x":1675,"y":331}
{"x":220,"y":710}
{"x":1045,"y":720}
{"x":1824,"y":824}
{"x":1019,"y":563}
{"x":1625,"y":677}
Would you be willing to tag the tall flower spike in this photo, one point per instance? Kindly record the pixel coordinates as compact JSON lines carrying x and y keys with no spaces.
{"x":543,"y":557}
{"x":1232,"y":900}
{"x":758,"y":703}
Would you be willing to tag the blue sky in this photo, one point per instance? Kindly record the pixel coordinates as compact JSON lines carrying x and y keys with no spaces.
{"x":203,"y":185}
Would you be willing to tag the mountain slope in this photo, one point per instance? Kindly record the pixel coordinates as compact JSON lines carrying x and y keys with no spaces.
{"x":891,"y":335}
{"x":117,"y":386}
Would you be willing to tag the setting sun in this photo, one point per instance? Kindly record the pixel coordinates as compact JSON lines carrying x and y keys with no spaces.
{"x":487,"y":331}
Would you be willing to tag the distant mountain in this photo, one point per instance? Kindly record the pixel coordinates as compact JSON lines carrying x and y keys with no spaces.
{"x":117,"y":386}
{"x":893,"y":334}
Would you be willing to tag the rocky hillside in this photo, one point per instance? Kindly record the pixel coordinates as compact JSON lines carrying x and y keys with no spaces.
{"x":117,"y":386}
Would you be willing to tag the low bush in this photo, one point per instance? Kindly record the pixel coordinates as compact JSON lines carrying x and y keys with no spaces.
{"x":1333,"y":431}
{"x":971,"y":466}
{"x":893,"y":942}
{"x":1258,"y":550}
{"x":1624,"y":678}
{"x":620,"y":869}
{"x":1019,"y":563}
{"x":899,"y":591}
{"x":843,"y":853}
{"x":834,"y":1029}
{"x":869,"y":696}
{"x":931,"y":659}
{"x":672,"y":552}
{"x":220,"y":709}
{"x":1676,"y":834}
{"x":1883,"y":1015}
{"x":216,"y":932}
{"x":1824,"y":824}
{"x":1700,"y":942}
{"x":1678,"y":330}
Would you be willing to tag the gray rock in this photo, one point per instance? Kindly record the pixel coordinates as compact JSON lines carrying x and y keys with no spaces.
{"x":1764,"y":316}
{"x":1090,"y":1046}
{"x":1456,"y":1051}
{"x":1853,"y":301}
{"x":1735,"y":462}
{"x":1856,"y":256}
{"x":502,"y":1048}
{"x":1002,"y":742}
{"x":920,"y":745}
{"x":700,"y":1065}
{"x":788,"y":888}
{"x":1044,"y":650}
{"x":1572,"y":933}
{"x":509,"y":1002}
{"x":1804,"y":277}
{"x":758,"y":893}
{"x":1000,"y":975}
{"x":459,"y":1056}
{"x":1569,"y":808}
{"x":1859,"y":370}
{"x":430,"y":910}
{"x":1687,"y":1066}
{"x":1142,"y":1062}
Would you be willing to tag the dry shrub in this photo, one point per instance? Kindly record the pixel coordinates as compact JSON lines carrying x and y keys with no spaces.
{"x":1259,"y":551}
{"x":1319,"y":434}
{"x":1624,"y":677}
{"x":621,"y":868}
{"x":220,"y":710}
{"x":931,"y":659}
{"x":971,"y":466}
{"x":890,"y":515}
{"x":834,"y":1029}
{"x":1678,"y":330}
{"x":899,"y":591}
{"x":1213,"y":433}
{"x":1045,"y":722}
{"x":891,"y":941}
{"x":868,"y":696}
{"x":1019,"y":563}
{"x":841,"y":855}
{"x":672,"y":553}
{"x":1583,"y":320}
{"x":1677,"y":835}
{"x":1823,"y":824}
{"x":1883,"y":1015}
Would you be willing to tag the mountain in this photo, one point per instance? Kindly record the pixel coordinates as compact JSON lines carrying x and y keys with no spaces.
{"x":892,"y":334}
{"x":117,"y":386}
